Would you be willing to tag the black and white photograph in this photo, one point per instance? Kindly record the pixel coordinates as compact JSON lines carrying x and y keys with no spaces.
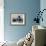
{"x":17,"y":19}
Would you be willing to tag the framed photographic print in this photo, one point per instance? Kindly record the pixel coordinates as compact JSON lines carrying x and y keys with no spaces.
{"x":17,"y":19}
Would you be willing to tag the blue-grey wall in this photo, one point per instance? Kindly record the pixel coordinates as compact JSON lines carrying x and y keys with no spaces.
{"x":29,"y":8}
{"x":43,"y":6}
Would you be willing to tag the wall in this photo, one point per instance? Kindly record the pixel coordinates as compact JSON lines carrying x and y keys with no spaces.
{"x":43,"y":6}
{"x":28,"y":7}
